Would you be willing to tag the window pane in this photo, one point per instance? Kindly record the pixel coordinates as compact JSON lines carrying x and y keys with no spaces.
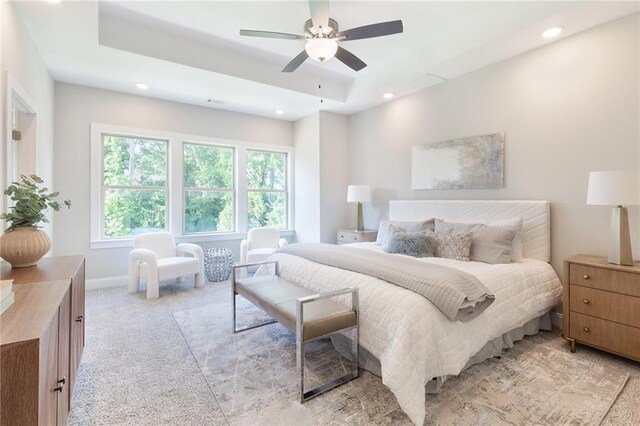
{"x":267,"y":209}
{"x":132,"y":161}
{"x":266,"y":170}
{"x":208,"y":167}
{"x":208,"y":211}
{"x":133,"y":211}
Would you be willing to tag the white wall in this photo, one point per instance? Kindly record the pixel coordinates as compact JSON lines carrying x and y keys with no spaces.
{"x":566,"y":109}
{"x":3,"y":143}
{"x":307,"y":178}
{"x":321,"y":176}
{"x":77,"y":107}
{"x":23,"y":62}
{"x":334,"y":175}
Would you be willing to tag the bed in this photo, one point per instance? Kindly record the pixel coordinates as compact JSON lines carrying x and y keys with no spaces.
{"x":409,"y":342}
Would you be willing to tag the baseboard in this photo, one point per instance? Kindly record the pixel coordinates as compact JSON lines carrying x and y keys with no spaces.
{"x":98,"y":283}
{"x":557,"y":320}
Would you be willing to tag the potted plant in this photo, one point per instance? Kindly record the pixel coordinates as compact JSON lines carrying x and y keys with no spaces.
{"x":23,"y":243}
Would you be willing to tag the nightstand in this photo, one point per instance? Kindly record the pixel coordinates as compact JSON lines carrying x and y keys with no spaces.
{"x":346,"y":236}
{"x":601,"y":305}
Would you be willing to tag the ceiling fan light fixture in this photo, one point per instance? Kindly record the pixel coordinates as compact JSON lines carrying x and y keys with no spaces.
{"x":321,"y":49}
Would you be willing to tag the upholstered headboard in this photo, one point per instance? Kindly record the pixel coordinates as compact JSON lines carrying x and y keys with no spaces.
{"x":535,"y":215}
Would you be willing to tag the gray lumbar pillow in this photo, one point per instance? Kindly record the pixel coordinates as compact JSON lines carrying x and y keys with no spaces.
{"x":490,"y":244}
{"x":384,"y":230}
{"x":416,"y":244}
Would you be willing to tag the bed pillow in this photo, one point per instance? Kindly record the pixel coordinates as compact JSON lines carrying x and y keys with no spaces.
{"x":415,"y":244}
{"x":417,"y":226}
{"x":490,"y":244}
{"x":517,"y":246}
{"x":452,"y":246}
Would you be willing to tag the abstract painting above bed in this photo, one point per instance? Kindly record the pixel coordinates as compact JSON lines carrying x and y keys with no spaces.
{"x":468,"y":163}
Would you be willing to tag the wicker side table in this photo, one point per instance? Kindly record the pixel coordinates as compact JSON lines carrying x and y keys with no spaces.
{"x":218,"y":263}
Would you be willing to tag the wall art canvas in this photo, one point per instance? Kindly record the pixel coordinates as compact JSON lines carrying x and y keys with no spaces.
{"x":468,"y":163}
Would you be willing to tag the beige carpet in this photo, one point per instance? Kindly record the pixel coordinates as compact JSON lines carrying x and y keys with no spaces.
{"x":138,"y":369}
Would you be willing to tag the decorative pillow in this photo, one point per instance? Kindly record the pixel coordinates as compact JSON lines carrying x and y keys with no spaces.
{"x":517,"y":246}
{"x":418,"y":226}
{"x":452,"y":246}
{"x":491,"y":244}
{"x":415,"y":244}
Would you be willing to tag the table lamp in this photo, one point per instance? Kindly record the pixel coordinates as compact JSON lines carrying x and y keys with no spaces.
{"x":614,"y":188}
{"x":359,"y":194}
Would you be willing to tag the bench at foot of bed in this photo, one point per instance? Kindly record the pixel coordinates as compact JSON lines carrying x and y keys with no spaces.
{"x":311,"y":316}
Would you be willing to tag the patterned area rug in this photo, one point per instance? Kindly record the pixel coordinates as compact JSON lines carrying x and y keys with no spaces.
{"x":253,"y":376}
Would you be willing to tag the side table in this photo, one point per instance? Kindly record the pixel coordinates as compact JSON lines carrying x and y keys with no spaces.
{"x":218,"y":263}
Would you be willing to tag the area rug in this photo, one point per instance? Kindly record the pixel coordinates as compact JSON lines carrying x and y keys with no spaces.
{"x":253,"y":377}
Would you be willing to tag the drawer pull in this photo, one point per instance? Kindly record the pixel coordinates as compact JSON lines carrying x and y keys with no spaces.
{"x":355,"y":238}
{"x":61,"y":383}
{"x":586,"y":277}
{"x":586,"y":329}
{"x":585,"y":301}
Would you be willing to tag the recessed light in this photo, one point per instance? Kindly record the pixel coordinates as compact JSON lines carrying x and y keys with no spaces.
{"x":552,"y":32}
{"x":388,"y":95}
{"x":279,"y":111}
{"x":142,"y":86}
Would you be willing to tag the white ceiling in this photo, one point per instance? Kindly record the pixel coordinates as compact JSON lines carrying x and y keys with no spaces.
{"x":191,"y":51}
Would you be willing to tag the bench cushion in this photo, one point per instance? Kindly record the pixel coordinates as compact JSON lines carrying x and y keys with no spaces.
{"x":277,"y":297}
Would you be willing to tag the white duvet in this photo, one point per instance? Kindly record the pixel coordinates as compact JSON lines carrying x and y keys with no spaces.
{"x":412,"y":339}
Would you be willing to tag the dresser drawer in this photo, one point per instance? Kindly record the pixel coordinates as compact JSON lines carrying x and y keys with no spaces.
{"x":606,"y":305}
{"x":605,"y":279}
{"x":622,"y":339}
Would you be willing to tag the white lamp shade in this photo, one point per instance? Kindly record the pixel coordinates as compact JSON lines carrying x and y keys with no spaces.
{"x":321,"y":49}
{"x":613,"y":188}
{"x":358,"y":194}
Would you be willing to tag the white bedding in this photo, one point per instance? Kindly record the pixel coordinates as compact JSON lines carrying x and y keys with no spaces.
{"x":412,"y":339}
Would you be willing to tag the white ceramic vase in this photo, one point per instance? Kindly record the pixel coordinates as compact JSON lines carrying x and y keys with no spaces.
{"x":24,"y":246}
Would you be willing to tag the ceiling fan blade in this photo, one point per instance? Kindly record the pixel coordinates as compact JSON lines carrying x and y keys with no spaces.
{"x":319,"y":13}
{"x":349,"y":59}
{"x":373,"y":30}
{"x":296,"y":62}
{"x":270,"y":34}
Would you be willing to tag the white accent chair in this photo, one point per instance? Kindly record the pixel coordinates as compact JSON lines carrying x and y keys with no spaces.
{"x":156,"y":257}
{"x":260,"y":244}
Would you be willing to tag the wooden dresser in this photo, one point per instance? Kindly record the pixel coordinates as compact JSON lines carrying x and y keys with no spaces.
{"x":41,"y":341}
{"x":346,"y":236}
{"x":601,"y":305}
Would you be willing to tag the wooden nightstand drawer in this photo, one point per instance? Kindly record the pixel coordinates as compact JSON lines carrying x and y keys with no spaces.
{"x":606,"y":305}
{"x":614,"y":337}
{"x":605,"y":279}
{"x":601,"y":305}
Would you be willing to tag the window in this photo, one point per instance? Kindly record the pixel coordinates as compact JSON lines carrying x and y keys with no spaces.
{"x":208,"y":188}
{"x":134,"y":185}
{"x":267,"y":189}
{"x":199,"y":189}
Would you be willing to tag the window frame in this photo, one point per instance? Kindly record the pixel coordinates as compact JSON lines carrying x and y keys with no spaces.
{"x":285,"y":191}
{"x":233,"y":189}
{"x":175,"y":191}
{"x":104,"y":188}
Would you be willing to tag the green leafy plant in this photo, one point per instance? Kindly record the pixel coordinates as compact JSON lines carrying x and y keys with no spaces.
{"x":31,"y":203}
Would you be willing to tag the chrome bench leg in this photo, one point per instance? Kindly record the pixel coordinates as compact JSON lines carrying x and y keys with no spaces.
{"x":234,"y":327}
{"x":355,"y":348}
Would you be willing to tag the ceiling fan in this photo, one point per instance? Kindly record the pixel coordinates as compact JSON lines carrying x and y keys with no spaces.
{"x":322,"y":37}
